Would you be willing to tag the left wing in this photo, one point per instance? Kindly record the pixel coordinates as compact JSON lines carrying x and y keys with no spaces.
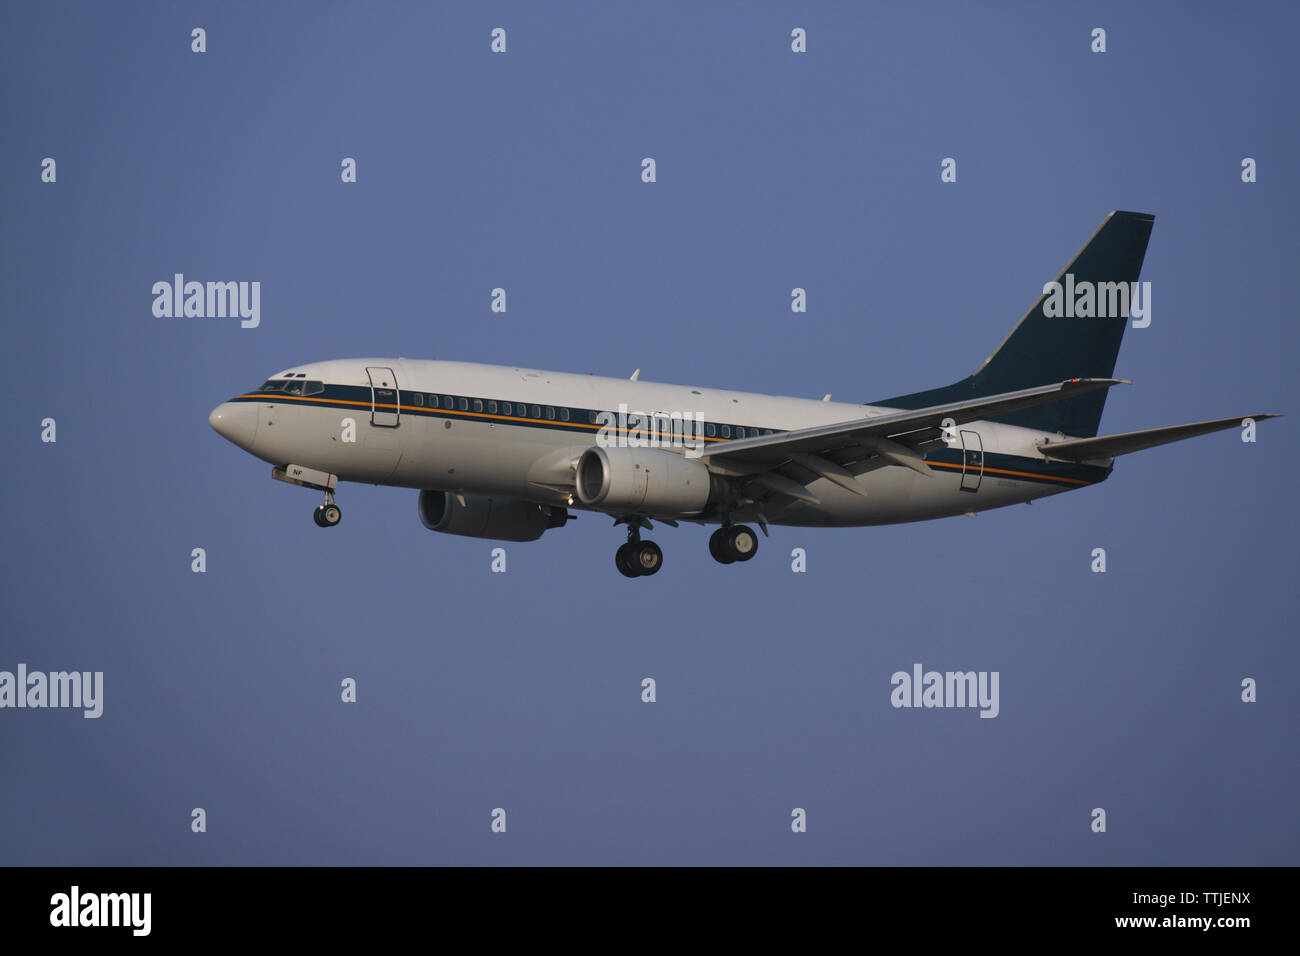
{"x":783,"y":462}
{"x":774,"y":448}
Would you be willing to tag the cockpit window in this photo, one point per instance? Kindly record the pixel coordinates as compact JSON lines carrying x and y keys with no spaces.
{"x":313,"y":387}
{"x":293,"y":388}
{"x":273,"y":385}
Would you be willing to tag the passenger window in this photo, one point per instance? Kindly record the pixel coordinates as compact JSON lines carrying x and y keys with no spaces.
{"x":313,"y":388}
{"x":726,"y":431}
{"x":462,"y":404}
{"x":537,"y":412}
{"x":447,"y":402}
{"x":564,"y":414}
{"x":507,"y":408}
{"x":550,"y":413}
{"x":415,"y":398}
{"x":492,"y":408}
{"x":591,"y":416}
{"x":740,"y":431}
{"x":709,"y":430}
{"x":478,"y":404}
{"x":432,"y":400}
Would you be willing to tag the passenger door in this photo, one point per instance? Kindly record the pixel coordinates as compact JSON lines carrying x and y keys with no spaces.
{"x":972,"y":460}
{"x":385,"y":410}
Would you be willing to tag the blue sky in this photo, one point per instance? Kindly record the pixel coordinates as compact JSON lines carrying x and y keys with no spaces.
{"x":775,"y":170}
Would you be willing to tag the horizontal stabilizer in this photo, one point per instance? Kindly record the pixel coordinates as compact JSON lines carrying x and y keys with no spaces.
{"x":1109,"y":446}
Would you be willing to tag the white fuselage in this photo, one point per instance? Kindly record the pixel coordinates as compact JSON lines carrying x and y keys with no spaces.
{"x":363,"y":428}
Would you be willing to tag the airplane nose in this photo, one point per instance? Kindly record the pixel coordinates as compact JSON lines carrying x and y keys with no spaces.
{"x":236,"y":422}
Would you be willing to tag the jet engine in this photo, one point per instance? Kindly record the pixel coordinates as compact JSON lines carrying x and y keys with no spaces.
{"x":487,"y":516}
{"x":646,"y":481}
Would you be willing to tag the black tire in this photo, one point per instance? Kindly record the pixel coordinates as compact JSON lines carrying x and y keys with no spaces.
{"x":718,"y":547}
{"x":622,"y":561}
{"x":315,"y":516}
{"x":741,"y":543}
{"x":647,"y":558}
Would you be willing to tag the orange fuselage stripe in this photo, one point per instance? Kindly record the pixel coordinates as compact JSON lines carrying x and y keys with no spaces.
{"x":1004,"y":471}
{"x":514,"y":418}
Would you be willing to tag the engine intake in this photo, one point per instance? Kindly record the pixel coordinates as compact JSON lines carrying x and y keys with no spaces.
{"x":646,"y":481}
{"x":487,"y":516}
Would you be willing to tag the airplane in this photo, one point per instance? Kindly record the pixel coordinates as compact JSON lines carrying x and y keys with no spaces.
{"x":506,"y":453}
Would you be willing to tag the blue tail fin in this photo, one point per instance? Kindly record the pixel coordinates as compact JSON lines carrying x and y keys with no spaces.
{"x":1061,"y":336}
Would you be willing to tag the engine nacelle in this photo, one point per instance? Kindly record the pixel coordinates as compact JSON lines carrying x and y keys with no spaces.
{"x":647,"y":481}
{"x":487,"y":516}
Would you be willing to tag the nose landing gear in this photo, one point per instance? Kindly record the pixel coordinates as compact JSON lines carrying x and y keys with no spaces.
{"x":329,"y":514}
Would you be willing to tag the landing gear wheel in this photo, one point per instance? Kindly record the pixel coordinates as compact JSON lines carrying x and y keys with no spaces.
{"x":623,"y":560}
{"x":733,"y":543}
{"x":638,"y":558}
{"x":327,"y":516}
{"x":741,"y":542}
{"x":647,"y":557}
{"x":315,"y":516}
{"x":718,"y":547}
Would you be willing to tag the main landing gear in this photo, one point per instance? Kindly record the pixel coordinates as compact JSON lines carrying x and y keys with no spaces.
{"x":638,"y":558}
{"x":733,"y":542}
{"x":329,"y":514}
